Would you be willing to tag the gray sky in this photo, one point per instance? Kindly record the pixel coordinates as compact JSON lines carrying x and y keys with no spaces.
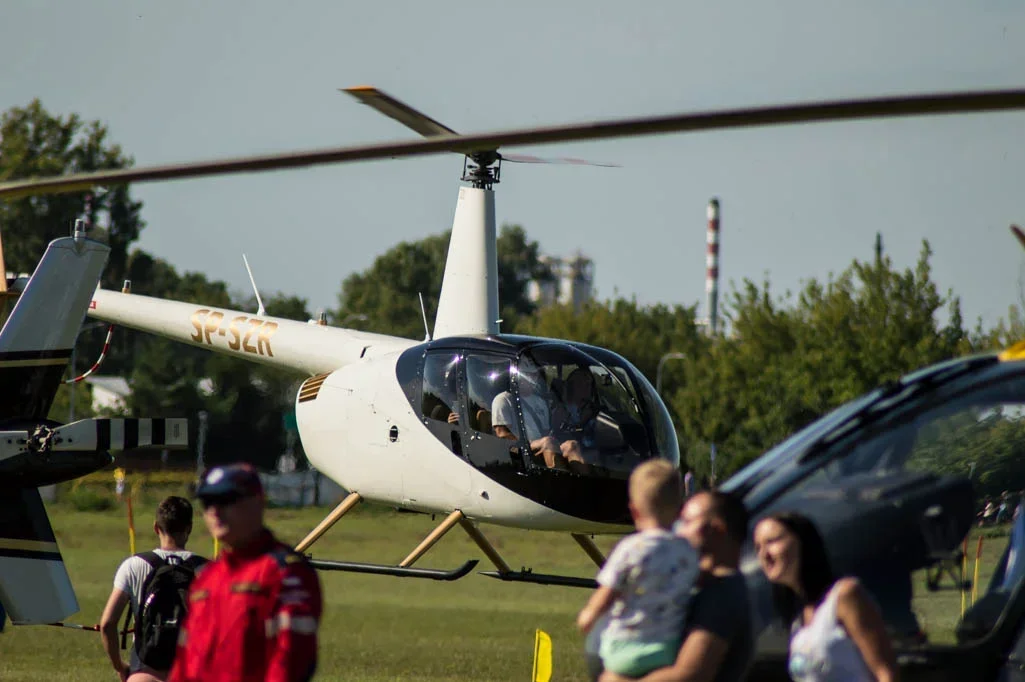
{"x":194,"y":80}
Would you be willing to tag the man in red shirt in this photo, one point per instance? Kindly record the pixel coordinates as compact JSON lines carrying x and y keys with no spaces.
{"x":253,"y":611}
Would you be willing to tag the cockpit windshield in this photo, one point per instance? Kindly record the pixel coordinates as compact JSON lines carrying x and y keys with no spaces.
{"x":562,"y":424}
{"x":573,"y":412}
{"x":549,"y":407}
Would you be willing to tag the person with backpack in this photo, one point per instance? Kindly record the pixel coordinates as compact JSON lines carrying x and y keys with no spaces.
{"x":155,"y":586}
{"x":255,"y":610}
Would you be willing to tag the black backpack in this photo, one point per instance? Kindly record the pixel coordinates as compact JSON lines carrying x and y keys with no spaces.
{"x":163,"y":602}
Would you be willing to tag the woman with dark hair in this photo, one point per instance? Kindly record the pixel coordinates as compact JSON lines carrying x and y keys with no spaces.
{"x":837,"y":629}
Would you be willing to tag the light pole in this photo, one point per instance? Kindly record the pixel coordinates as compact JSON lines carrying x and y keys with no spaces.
{"x":661,"y":362}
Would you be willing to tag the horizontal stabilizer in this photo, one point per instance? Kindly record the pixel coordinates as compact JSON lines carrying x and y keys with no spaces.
{"x":44,"y":455}
{"x":99,"y":435}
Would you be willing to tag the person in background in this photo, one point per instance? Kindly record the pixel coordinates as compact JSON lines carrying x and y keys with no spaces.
{"x":172,"y":525}
{"x":837,"y":629}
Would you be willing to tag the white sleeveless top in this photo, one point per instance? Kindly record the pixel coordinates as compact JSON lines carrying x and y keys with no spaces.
{"x":821,"y":650}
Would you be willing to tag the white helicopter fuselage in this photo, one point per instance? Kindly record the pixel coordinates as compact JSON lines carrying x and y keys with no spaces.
{"x":358,"y":428}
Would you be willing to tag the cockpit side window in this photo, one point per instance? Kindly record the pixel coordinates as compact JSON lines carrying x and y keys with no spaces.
{"x":440,"y":397}
{"x":487,"y":376}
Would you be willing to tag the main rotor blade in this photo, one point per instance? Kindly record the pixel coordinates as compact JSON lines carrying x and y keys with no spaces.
{"x":526,"y":158}
{"x":1016,"y":231}
{"x":899,"y":106}
{"x":394,"y":108}
{"x":398,"y":110}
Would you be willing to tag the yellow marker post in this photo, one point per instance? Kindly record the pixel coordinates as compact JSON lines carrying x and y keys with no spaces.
{"x":215,"y":548}
{"x":964,"y":572}
{"x":542,"y":657}
{"x":131,"y":524}
{"x":975,"y":580}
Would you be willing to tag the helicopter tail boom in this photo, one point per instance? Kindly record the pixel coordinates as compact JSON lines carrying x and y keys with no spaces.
{"x":304,"y":347}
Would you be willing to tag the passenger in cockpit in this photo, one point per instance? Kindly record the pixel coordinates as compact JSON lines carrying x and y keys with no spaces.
{"x":441,"y":392}
{"x":537,"y":418}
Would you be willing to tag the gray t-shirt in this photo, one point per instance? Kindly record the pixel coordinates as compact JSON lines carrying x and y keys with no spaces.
{"x":722,"y":608}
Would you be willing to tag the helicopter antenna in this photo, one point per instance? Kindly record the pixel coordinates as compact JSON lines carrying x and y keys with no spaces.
{"x":423,"y":312}
{"x":260,"y":310}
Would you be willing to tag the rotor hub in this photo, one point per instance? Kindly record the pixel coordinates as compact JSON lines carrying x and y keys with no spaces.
{"x":482,"y":169}
{"x":41,"y":440}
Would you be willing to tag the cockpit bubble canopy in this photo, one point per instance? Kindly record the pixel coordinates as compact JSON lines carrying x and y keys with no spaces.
{"x":598,"y":408}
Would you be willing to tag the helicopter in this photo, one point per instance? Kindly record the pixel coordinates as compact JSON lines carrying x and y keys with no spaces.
{"x":35,"y":347}
{"x":888,"y":479}
{"x":444,"y":425}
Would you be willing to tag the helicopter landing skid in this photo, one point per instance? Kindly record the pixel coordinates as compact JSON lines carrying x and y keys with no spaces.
{"x":528,"y":576}
{"x":398,"y":571}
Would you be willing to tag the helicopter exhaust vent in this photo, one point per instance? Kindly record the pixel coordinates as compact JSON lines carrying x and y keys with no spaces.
{"x":311,"y":387}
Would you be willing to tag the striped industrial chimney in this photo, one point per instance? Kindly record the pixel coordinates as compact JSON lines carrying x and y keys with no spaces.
{"x":712,"y":264}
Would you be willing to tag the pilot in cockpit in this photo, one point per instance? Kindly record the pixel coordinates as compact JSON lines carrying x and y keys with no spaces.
{"x":574,"y":417}
{"x":537,"y":417}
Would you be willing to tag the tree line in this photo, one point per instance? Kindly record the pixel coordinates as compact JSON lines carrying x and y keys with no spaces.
{"x":782,"y":361}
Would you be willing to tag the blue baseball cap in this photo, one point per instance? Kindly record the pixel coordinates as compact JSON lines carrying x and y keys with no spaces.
{"x":230,"y":481}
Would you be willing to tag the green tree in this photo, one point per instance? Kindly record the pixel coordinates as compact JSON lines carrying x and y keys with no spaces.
{"x":385,"y":296}
{"x":34,"y":143}
{"x":784,"y":361}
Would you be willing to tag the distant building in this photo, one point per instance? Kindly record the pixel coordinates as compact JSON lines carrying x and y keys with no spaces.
{"x":573,"y":283}
{"x":109,"y":393}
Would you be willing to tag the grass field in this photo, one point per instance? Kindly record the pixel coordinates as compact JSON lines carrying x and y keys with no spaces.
{"x":376,"y":628}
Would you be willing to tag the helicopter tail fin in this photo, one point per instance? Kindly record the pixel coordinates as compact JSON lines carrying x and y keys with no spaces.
{"x":35,"y":345}
{"x":37,"y":338}
{"x":468,"y":304}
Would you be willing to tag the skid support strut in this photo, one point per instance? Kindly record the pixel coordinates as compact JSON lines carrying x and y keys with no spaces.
{"x":587,"y":544}
{"x":404,"y":569}
{"x":350,"y":501}
{"x":436,"y":534}
{"x":489,"y":550}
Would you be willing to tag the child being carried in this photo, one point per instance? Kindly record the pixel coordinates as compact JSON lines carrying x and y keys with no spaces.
{"x":646,"y":581}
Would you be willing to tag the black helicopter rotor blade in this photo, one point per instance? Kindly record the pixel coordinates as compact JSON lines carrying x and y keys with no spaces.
{"x":840,"y":110}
